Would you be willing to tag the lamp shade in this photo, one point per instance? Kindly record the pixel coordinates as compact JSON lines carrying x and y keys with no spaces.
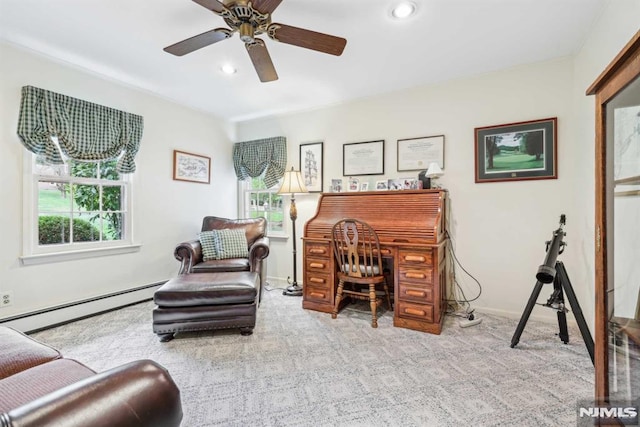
{"x":292,"y":183}
{"x":434,"y":170}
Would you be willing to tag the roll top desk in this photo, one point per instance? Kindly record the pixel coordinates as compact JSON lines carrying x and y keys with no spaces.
{"x":411,"y":227}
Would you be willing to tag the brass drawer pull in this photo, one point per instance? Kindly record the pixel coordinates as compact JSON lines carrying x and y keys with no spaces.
{"x":414,"y":312}
{"x":410,"y":275}
{"x":385,"y":251}
{"x":316,"y":265}
{"x":316,"y":294}
{"x":416,"y":293}
{"x":317,"y":251}
{"x":418,"y":258}
{"x":317,"y":280}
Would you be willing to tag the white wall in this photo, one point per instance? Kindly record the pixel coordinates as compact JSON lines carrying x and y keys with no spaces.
{"x":165,"y":211}
{"x":499,"y":228}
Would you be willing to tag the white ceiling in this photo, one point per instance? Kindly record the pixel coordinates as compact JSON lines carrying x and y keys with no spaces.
{"x":446,"y":39}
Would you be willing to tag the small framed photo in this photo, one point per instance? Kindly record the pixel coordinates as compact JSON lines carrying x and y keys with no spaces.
{"x":516,"y":151}
{"x":410,"y":183}
{"x":191,"y":167}
{"x":395,"y":184}
{"x":336,"y":186}
{"x":382,"y":185}
{"x":364,"y":186}
{"x":354,"y":184}
{"x":311,"y":165}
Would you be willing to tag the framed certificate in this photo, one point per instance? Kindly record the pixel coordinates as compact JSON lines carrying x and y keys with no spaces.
{"x":418,"y":153}
{"x":363,"y":158}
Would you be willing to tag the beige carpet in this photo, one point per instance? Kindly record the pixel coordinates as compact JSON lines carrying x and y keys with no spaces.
{"x":301,"y":368}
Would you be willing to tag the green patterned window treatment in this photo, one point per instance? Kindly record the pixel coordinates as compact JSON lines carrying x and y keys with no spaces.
{"x":253,"y":158}
{"x":85,"y":131}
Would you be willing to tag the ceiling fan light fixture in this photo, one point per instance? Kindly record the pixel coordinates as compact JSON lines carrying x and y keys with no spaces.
{"x":403,"y":10}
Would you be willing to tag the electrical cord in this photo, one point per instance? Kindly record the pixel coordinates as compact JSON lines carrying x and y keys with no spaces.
{"x":464,"y":301}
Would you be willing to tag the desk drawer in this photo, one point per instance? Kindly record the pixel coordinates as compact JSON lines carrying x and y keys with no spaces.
{"x":415,"y":311}
{"x":321,"y":265}
{"x":318,"y":250}
{"x":422,"y":276}
{"x":317,"y":294}
{"x":415,"y":293}
{"x":317,"y":280}
{"x":415,"y":256}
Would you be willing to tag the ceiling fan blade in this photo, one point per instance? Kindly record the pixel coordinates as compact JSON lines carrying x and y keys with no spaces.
{"x":266,"y":6}
{"x":213,"y":5}
{"x":306,"y":38}
{"x":198,"y":42}
{"x":261,"y":61}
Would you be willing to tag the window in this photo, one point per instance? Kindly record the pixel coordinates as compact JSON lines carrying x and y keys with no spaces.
{"x":78,"y":206}
{"x":259,"y":201}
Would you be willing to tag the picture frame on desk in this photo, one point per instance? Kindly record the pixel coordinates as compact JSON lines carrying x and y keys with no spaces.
{"x":516,"y":151}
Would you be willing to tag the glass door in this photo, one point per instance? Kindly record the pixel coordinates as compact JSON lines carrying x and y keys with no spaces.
{"x":617,"y":344}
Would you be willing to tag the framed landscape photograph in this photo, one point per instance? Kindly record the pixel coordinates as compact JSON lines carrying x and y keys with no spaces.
{"x":311,"y":159}
{"x":191,"y":167}
{"x":418,"y":153}
{"x":363,"y":158}
{"x":516,"y":151}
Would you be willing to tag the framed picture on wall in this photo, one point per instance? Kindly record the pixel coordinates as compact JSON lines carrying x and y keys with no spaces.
{"x":191,"y":167}
{"x":311,"y":166}
{"x":516,"y":151}
{"x":363,"y":158}
{"x":418,"y":153}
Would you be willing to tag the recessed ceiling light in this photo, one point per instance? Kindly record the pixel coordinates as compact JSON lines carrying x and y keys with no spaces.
{"x":403,"y":10}
{"x":228,"y":69}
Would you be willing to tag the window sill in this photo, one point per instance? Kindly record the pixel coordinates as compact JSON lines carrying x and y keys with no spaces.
{"x":83,"y":254}
{"x":278,"y":236}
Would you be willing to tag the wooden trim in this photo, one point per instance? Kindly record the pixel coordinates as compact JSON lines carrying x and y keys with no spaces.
{"x":618,"y":62}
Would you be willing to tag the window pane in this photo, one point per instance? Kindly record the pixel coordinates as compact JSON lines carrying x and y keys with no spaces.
{"x":112,"y":226}
{"x":85,"y":197}
{"x":53,"y":197}
{"x":53,"y":229}
{"x":84,"y":170}
{"x":84,"y":230}
{"x":42,"y":168}
{"x":108,"y":170}
{"x":275,"y":221}
{"x":112,"y":198}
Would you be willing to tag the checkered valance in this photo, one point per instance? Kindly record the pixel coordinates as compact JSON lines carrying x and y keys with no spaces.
{"x":268,"y":156}
{"x":85,"y":131}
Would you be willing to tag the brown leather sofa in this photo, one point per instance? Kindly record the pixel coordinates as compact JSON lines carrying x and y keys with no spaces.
{"x":190,"y":253}
{"x":40,"y":388}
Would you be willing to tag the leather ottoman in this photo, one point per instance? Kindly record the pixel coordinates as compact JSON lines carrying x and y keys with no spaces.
{"x":206,"y":301}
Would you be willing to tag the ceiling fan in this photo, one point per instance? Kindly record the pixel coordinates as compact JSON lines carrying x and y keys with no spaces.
{"x":252,"y":18}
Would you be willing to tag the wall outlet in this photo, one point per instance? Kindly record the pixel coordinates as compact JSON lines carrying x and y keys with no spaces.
{"x":6,"y":299}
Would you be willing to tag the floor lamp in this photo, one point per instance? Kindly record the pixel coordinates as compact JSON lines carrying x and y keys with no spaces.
{"x":292,"y":184}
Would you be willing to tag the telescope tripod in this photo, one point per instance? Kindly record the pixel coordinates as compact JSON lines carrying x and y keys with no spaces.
{"x":556,"y":301}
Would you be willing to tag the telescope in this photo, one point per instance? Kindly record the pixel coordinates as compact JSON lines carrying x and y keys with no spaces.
{"x":555,"y":246}
{"x":554,"y":271}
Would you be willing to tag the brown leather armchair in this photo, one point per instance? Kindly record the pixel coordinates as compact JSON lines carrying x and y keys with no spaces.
{"x":41,"y":388}
{"x":190,"y":253}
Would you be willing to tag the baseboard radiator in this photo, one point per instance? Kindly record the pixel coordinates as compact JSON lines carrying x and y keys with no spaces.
{"x":59,"y":315}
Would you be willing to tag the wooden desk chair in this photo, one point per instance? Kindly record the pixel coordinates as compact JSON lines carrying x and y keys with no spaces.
{"x":357,"y":251}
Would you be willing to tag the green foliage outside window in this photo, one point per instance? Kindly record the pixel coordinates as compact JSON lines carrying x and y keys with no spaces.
{"x":55,"y":230}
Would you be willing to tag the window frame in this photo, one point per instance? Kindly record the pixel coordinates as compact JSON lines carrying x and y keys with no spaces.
{"x":245,"y":192}
{"x":34,"y":253}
